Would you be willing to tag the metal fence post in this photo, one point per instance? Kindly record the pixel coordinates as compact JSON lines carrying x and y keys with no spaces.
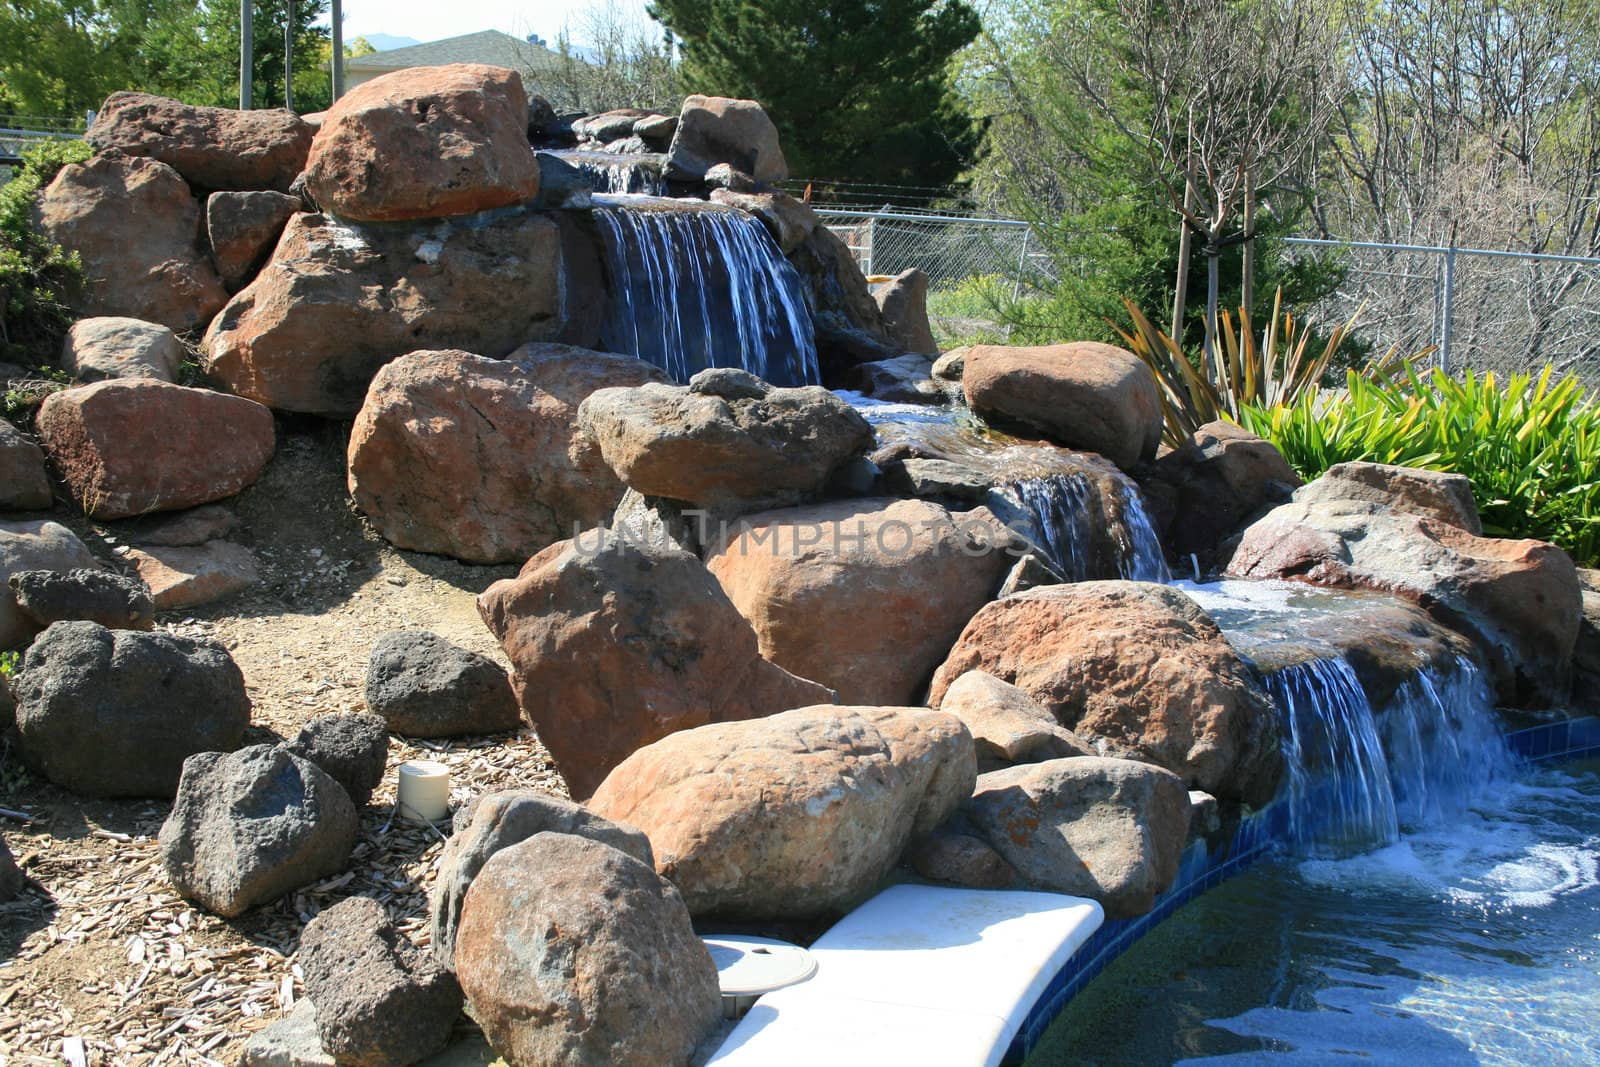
{"x":247,"y":53}
{"x":1447,"y":308}
{"x":1022,"y":265}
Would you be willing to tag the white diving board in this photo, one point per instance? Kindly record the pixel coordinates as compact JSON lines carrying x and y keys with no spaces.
{"x":934,"y":976}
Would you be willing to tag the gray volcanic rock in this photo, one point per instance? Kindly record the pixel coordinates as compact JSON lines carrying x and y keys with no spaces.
{"x":93,"y":595}
{"x":352,"y":749}
{"x":24,"y":482}
{"x":116,"y":713}
{"x":423,"y":686}
{"x":252,"y":825}
{"x":380,"y":1000}
{"x":110,"y":346}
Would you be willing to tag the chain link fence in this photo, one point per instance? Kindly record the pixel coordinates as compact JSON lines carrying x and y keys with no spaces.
{"x":1478,"y":308}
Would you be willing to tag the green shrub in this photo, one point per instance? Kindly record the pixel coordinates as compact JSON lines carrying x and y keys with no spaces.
{"x":1531,"y":447}
{"x":37,"y":277}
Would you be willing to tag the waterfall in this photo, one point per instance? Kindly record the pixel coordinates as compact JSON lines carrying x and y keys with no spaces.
{"x":622,"y":177}
{"x":1356,"y":774}
{"x":1068,"y":511}
{"x":692,"y":289}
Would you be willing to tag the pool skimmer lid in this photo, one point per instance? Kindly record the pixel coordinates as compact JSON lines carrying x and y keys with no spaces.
{"x":748,"y":967}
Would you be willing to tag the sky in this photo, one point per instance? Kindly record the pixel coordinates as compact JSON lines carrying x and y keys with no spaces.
{"x":430,"y":20}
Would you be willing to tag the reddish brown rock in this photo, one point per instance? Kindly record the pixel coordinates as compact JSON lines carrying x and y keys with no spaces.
{"x":132,"y":446}
{"x":1138,"y":671}
{"x":613,"y":646}
{"x":111,"y":347}
{"x":571,"y":952}
{"x":1437,"y":495}
{"x":788,"y":220}
{"x":796,"y":814}
{"x":337,"y":302}
{"x":188,"y":576}
{"x":423,"y":143}
{"x":1109,"y":829}
{"x":242,"y":228}
{"x":1519,"y":601}
{"x":903,"y":300}
{"x":727,"y":439}
{"x":1085,"y":395}
{"x":137,"y":228}
{"x":1220,"y":479}
{"x":717,"y":129}
{"x":864,"y":596}
{"x":482,"y":459}
{"x":1007,"y":725}
{"x":212,"y":147}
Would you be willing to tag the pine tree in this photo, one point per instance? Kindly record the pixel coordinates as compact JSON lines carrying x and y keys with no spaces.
{"x":859,"y":89}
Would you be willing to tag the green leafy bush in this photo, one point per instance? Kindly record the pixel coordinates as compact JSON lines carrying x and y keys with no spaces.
{"x":1531,"y":447}
{"x":37,"y":277}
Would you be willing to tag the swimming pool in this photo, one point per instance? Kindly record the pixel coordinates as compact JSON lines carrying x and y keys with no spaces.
{"x":1473,"y":939}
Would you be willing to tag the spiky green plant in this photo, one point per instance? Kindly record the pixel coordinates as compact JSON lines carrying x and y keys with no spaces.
{"x":1279,"y":367}
{"x":1531,"y":446}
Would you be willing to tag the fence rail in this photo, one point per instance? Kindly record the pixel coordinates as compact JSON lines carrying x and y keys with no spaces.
{"x":1480,"y":308}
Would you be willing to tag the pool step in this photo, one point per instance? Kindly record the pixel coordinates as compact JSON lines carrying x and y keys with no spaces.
{"x":918,"y":974}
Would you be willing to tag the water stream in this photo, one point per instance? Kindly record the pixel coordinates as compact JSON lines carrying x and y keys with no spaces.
{"x":1436,"y":902}
{"x":702,"y":287}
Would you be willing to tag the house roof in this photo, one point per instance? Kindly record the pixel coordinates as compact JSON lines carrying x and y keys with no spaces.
{"x":487,"y":46}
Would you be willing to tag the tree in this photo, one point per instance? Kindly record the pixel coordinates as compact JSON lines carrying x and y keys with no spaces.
{"x":624,"y":60}
{"x":1127,"y":128}
{"x":859,"y":89}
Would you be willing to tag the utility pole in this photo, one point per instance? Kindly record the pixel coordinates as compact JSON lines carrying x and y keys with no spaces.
{"x":288,"y":55}
{"x":247,"y":53}
{"x":338,"y":50}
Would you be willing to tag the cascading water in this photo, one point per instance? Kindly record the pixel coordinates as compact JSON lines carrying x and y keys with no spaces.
{"x":1066,"y":510}
{"x":1357,"y":775}
{"x":622,"y":178}
{"x":692,"y":289}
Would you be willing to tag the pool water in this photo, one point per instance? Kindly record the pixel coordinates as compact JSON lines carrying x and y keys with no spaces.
{"x":1473,"y":940}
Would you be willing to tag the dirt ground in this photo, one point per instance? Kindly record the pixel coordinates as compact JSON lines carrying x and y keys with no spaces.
{"x":100,"y":961}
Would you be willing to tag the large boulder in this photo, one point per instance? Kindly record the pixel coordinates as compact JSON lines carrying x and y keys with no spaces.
{"x":614,"y":645}
{"x":425,"y":142}
{"x":709,"y":444}
{"x":87,"y":594}
{"x":497,"y":821}
{"x":789,"y":221}
{"x":252,"y":825}
{"x":1136,"y":670}
{"x":1439,"y":495}
{"x":241,"y":229}
{"x":1218,"y":481}
{"x":717,"y":129}
{"x":423,"y":686}
{"x":132,"y":446}
{"x":794,"y":815}
{"x":482,"y":459}
{"x":380,"y":1000}
{"x":1112,"y":830}
{"x":1518,"y":600}
{"x":137,"y":228}
{"x":1085,"y":395}
{"x":571,"y":952}
{"x":1007,"y":725}
{"x":115,"y":713}
{"x":338,"y":301}
{"x":24,"y":484}
{"x":903,"y":300}
{"x":111,"y":347}
{"x":864,"y":596}
{"x":212,"y":147}
{"x":849,"y":326}
{"x":34,"y":545}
